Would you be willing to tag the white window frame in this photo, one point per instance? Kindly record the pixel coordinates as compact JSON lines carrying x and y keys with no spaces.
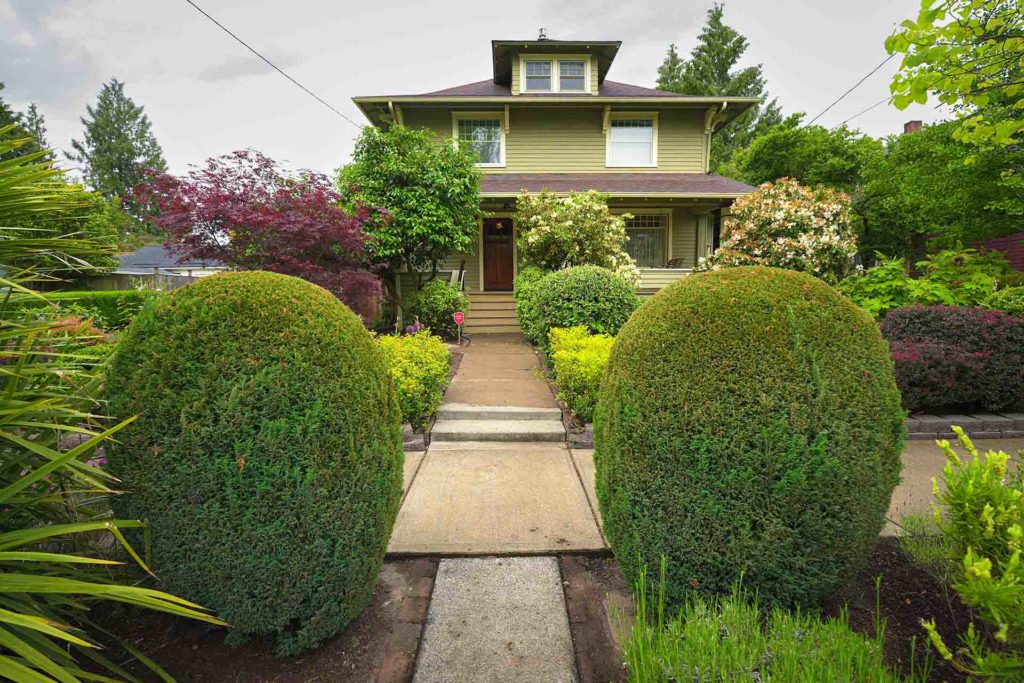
{"x":625,"y":115}
{"x":669,"y":227}
{"x":498,"y":116}
{"x":556,"y":73}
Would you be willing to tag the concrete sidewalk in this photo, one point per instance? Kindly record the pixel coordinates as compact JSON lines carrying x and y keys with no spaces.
{"x":500,"y":370}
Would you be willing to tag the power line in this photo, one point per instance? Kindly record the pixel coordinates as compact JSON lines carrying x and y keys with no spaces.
{"x":843,"y":96}
{"x":864,"y":111}
{"x":272,"y":65}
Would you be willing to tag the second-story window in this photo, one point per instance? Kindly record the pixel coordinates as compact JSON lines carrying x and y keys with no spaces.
{"x":571,"y":75}
{"x":632,"y":141}
{"x":482,"y":134}
{"x":538,"y":75}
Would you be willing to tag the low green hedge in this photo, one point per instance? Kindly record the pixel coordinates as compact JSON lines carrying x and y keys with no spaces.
{"x":525,"y":291}
{"x":109,"y":310}
{"x":578,"y":359}
{"x":419,"y":365}
{"x":1009,"y":300}
{"x":434,"y":305}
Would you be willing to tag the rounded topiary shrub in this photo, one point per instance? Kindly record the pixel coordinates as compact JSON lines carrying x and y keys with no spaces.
{"x":748,"y":425}
{"x":267,"y":454}
{"x":434,"y":305}
{"x":588,"y":296}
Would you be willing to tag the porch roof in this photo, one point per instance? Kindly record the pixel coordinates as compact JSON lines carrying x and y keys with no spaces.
{"x":616,"y":184}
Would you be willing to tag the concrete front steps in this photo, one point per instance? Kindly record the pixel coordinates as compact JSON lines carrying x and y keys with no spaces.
{"x":461,"y":422}
{"x":491,"y":313}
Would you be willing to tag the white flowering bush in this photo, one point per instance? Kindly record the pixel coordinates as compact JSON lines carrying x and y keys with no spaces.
{"x":578,"y":230}
{"x":788,"y":225}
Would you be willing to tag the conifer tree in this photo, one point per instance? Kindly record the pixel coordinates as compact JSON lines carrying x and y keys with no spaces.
{"x":710,"y":71}
{"x":24,"y":127}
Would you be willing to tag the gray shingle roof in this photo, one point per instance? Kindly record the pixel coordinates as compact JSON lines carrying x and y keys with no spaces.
{"x":145,"y":259}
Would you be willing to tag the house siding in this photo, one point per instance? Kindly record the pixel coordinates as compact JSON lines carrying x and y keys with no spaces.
{"x":550,"y":140}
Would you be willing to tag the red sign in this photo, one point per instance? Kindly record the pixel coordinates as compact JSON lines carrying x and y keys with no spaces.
{"x":459,"y":317}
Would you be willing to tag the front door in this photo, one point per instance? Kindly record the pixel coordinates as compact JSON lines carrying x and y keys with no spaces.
{"x":498,"y":254}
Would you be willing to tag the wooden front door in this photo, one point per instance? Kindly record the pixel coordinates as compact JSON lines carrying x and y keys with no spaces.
{"x":498,"y":254}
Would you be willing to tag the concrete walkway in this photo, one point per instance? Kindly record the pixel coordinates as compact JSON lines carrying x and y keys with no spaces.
{"x":500,"y":370}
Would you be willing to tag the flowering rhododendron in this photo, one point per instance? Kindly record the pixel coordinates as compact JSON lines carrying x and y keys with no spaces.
{"x":788,"y":225}
{"x":243,"y":210}
{"x":578,"y":230}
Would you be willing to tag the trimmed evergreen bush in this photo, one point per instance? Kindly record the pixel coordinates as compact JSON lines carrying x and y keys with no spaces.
{"x":577,"y":361}
{"x":434,"y":305}
{"x":748,"y":425}
{"x":1009,"y":300}
{"x":524,"y":291}
{"x":960,"y":358}
{"x":109,"y":309}
{"x":588,"y":296}
{"x":267,"y":454}
{"x":419,"y":365}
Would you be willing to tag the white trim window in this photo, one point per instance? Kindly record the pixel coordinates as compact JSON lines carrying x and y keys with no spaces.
{"x":572,"y":75}
{"x":648,"y":239}
{"x":632,"y":141}
{"x":538,"y":75}
{"x":483,"y":133}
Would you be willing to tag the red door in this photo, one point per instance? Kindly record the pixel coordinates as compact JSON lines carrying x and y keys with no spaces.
{"x":498,"y":254}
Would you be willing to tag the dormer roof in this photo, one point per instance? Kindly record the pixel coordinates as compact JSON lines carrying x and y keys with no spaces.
{"x":503,"y":52}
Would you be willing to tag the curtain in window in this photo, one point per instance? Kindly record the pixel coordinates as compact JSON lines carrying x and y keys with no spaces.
{"x":483,"y":136}
{"x":646,"y":246}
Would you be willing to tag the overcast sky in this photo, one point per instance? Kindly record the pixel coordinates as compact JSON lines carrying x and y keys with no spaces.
{"x":207,"y":95}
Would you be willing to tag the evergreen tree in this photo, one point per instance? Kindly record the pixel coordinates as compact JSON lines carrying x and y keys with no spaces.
{"x":23,"y":127}
{"x":709,"y":72}
{"x":118,"y":146}
{"x":35,"y":125}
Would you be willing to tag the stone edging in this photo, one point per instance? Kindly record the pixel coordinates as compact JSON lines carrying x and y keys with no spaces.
{"x":975,"y":425}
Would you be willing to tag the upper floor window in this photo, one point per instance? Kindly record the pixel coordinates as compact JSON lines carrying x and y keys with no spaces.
{"x":572,"y":74}
{"x":483,"y":133}
{"x":632,"y":140}
{"x":551,"y":74}
{"x":538,"y":75}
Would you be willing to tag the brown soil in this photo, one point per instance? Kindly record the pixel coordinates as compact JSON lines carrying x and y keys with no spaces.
{"x":598,"y":602}
{"x":905,"y":595}
{"x":378,"y":646}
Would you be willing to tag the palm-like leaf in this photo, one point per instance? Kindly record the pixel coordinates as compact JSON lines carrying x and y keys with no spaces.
{"x":56,"y":534}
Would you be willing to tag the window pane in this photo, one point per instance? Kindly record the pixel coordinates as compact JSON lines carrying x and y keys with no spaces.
{"x":538,"y":75}
{"x":646,"y":246}
{"x":483,"y":136}
{"x":571,"y":74}
{"x":632,"y":142}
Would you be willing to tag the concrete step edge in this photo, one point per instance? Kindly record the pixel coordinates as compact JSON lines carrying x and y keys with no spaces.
{"x":457,"y":411}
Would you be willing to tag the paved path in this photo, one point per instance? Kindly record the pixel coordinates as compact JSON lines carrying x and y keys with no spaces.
{"x":500,"y":370}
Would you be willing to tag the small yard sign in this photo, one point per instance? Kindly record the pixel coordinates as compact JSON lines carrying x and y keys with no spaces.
{"x":459,"y":317}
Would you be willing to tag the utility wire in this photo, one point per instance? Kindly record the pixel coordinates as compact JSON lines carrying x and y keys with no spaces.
{"x":272,"y":65}
{"x":864,"y":111}
{"x":855,"y":85}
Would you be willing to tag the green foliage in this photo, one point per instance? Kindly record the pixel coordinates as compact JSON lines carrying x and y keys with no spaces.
{"x":108,"y":310}
{"x":1010,"y":300}
{"x":118,"y":146}
{"x":748,"y":423}
{"x":710,"y":71}
{"x":267,"y":456}
{"x":812,"y":155}
{"x":787,"y":225}
{"x":979,"y":517}
{"x":578,"y":359}
{"x":578,"y":230}
{"x":930,"y":186}
{"x":969,"y":54}
{"x":56,"y":533}
{"x":434,"y":305}
{"x":959,"y":277}
{"x":587,"y":296}
{"x":429,"y":190}
{"x":525,"y":291}
{"x":419,"y":366}
{"x":733,"y":638}
{"x":28,"y":126}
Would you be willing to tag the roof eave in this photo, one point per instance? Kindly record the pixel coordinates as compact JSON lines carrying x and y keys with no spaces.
{"x":743,"y":102}
{"x":658,"y":195}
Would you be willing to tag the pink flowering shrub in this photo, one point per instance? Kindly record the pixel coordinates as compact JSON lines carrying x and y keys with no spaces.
{"x":947,"y":356}
{"x":788,"y":225}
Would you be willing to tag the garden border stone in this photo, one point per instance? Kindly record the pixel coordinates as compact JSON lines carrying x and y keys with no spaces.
{"x":976,"y":425}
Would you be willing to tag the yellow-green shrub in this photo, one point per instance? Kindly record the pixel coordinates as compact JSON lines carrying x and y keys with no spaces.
{"x":578,"y":359}
{"x":419,"y":366}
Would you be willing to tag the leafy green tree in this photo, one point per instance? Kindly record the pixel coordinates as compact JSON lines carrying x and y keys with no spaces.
{"x":969,"y":54}
{"x":710,"y":71}
{"x":118,"y":146}
{"x":429,"y":192}
{"x":931,"y":186}
{"x":813,"y":155}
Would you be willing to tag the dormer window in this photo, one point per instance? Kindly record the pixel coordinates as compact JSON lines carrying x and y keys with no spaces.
{"x":482,"y":132}
{"x":554,"y":74}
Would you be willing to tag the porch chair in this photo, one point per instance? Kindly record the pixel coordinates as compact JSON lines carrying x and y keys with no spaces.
{"x":458,"y":278}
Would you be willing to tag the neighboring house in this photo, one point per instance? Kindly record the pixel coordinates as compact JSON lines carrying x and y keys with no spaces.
{"x":154,"y":267}
{"x":549,"y":119}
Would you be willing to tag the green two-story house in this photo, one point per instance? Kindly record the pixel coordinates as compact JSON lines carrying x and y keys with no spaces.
{"x":549,"y":119}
